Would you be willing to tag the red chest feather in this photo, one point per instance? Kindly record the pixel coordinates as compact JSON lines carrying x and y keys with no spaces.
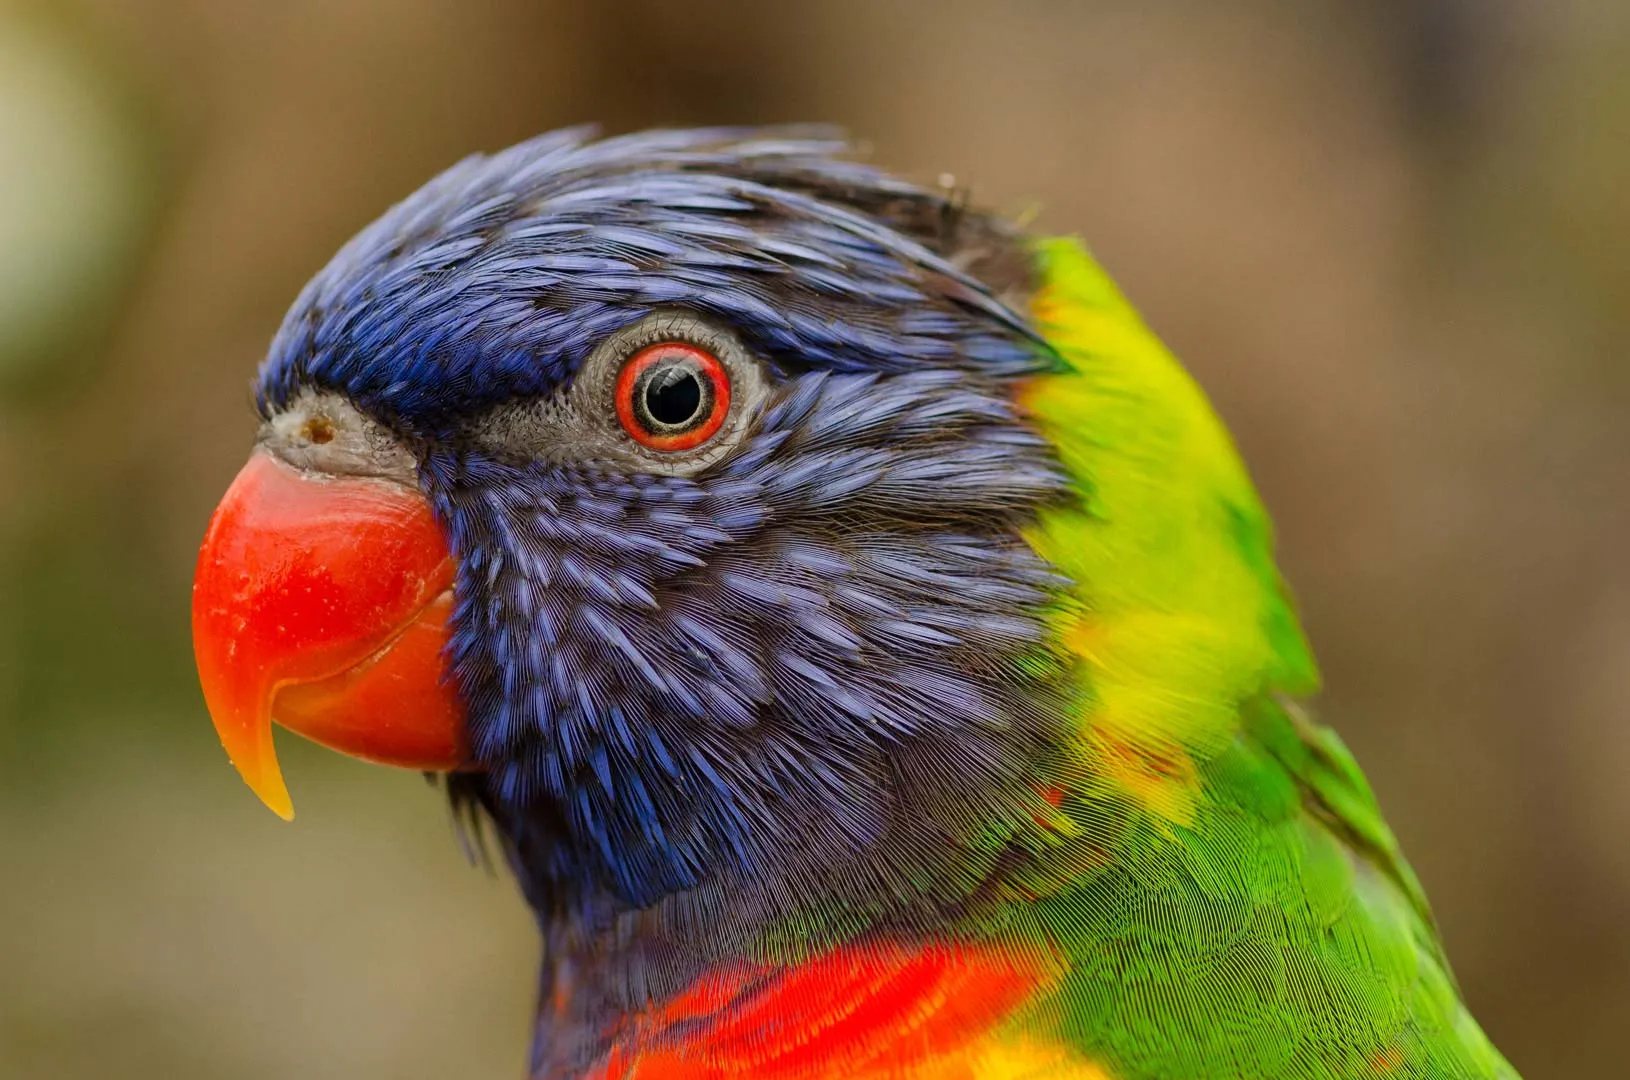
{"x":880,"y":1010}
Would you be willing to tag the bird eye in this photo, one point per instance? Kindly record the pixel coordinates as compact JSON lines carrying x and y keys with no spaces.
{"x":672,"y":396}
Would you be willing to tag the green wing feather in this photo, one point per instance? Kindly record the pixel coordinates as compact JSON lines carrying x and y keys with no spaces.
{"x":1218,"y":884}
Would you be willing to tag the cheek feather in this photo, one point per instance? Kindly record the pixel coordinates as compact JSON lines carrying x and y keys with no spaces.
{"x":692,"y":670}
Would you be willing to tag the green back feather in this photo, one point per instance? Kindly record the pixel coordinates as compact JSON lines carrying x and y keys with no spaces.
{"x":1218,"y":885}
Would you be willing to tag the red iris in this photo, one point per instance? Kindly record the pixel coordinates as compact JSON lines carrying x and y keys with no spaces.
{"x":672,"y":396}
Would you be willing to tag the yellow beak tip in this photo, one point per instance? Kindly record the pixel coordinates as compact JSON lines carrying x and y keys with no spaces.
{"x":269,"y":786}
{"x":276,"y":798}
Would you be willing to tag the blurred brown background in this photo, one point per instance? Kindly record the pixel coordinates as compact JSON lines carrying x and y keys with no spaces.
{"x":1390,"y":237}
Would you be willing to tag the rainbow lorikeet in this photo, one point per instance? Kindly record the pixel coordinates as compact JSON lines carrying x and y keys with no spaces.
{"x":859,"y":631}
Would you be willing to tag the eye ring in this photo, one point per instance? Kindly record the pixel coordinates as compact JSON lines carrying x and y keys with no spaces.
{"x":672,"y":396}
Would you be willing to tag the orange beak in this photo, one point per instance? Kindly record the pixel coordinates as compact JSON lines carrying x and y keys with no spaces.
{"x":322,"y":602}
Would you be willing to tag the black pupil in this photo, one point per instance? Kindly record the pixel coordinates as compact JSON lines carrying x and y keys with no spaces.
{"x":673,"y":395}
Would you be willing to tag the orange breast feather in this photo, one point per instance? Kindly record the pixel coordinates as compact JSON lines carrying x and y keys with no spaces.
{"x":878,"y":1012}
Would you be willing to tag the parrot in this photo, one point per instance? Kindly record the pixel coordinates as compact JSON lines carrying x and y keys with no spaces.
{"x":853,"y":626}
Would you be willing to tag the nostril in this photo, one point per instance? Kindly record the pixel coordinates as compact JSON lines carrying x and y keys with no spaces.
{"x":318,"y":430}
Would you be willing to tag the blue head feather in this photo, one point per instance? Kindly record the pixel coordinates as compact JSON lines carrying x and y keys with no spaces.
{"x":497,"y":278}
{"x":810,"y":666}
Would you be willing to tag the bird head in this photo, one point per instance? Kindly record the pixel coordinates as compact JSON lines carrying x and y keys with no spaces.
{"x":667,"y":493}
